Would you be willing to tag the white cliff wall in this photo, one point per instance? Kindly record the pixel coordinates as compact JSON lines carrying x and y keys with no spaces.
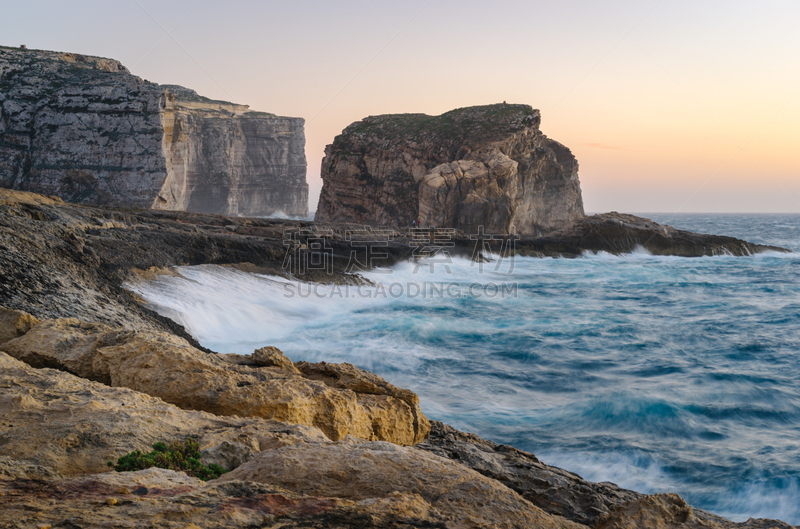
{"x":86,"y":130}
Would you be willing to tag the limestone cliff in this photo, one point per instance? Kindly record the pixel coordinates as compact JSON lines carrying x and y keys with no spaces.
{"x":86,"y":130}
{"x":482,"y":166}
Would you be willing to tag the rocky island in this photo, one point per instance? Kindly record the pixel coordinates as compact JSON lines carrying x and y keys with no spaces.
{"x":486,"y":166}
{"x":84,"y":129}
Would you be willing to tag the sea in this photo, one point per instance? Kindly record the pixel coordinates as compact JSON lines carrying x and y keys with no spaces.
{"x":660,"y":374}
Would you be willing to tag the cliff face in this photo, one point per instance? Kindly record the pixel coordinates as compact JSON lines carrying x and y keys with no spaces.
{"x":488,"y":166}
{"x":86,"y":130}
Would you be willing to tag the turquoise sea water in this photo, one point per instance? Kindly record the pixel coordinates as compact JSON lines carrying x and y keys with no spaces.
{"x":657,"y":373}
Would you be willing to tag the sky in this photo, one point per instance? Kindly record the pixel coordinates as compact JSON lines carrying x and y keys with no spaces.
{"x":669,"y":106}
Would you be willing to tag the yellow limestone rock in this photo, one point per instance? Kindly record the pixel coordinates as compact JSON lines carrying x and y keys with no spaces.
{"x":14,"y":323}
{"x":168,"y":367}
{"x":53,"y":423}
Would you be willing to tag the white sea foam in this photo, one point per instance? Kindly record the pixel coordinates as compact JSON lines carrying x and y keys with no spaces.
{"x":649,"y":475}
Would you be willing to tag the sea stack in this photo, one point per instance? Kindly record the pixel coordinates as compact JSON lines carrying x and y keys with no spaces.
{"x":88,"y":131}
{"x":486,"y":166}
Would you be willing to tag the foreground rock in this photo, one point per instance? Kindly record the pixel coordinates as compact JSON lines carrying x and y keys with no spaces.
{"x":85,"y":129}
{"x":482,"y":166}
{"x":358,"y":471}
{"x":552,"y":489}
{"x":670,"y":511}
{"x":166,"y":499}
{"x":55,"y":424}
{"x":168,"y":367}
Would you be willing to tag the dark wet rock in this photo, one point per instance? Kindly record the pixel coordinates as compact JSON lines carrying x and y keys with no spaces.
{"x":619,"y":233}
{"x":670,"y":511}
{"x":552,"y":489}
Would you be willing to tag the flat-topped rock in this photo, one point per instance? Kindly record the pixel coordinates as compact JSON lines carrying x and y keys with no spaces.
{"x":485,"y":166}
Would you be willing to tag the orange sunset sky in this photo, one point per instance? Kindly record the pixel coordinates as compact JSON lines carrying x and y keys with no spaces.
{"x":669,"y":106}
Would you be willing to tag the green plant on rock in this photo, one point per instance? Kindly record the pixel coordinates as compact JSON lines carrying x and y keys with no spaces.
{"x":184,"y":457}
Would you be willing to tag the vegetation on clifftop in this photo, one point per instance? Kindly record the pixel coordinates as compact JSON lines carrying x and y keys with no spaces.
{"x":488,"y":123}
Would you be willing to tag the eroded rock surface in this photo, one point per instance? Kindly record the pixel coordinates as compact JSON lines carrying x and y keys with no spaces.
{"x":14,"y":323}
{"x":53,"y":423}
{"x":169,"y":368}
{"x":163,"y":498}
{"x":358,"y":471}
{"x":482,"y":166}
{"x":85,"y":129}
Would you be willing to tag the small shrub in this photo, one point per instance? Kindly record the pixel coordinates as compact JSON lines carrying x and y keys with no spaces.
{"x":184,"y":457}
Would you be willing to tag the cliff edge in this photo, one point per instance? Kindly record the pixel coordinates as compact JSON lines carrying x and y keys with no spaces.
{"x":485,"y":166}
{"x":84,"y":129}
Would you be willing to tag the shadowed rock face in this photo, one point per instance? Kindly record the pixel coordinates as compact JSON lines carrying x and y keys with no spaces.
{"x":482,"y":166}
{"x":86,"y":130}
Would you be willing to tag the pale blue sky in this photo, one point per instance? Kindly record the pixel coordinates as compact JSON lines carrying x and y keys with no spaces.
{"x":669,"y":106}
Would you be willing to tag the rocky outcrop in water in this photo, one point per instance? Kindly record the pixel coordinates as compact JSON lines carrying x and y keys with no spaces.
{"x":619,"y":233}
{"x":86,"y":130}
{"x":482,"y":166}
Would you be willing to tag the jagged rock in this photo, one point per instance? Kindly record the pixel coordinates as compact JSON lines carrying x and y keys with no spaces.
{"x":372,"y":391}
{"x":471,"y":193}
{"x":552,"y":489}
{"x":14,"y":323}
{"x":358,"y":471}
{"x":85,"y":129}
{"x":563,"y":493}
{"x":670,"y":511}
{"x":169,"y":368}
{"x":267,"y":357}
{"x":53,"y":423}
{"x":475,"y":166}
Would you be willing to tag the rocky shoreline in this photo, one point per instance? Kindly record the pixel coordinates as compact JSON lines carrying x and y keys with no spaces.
{"x":89,"y":373}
